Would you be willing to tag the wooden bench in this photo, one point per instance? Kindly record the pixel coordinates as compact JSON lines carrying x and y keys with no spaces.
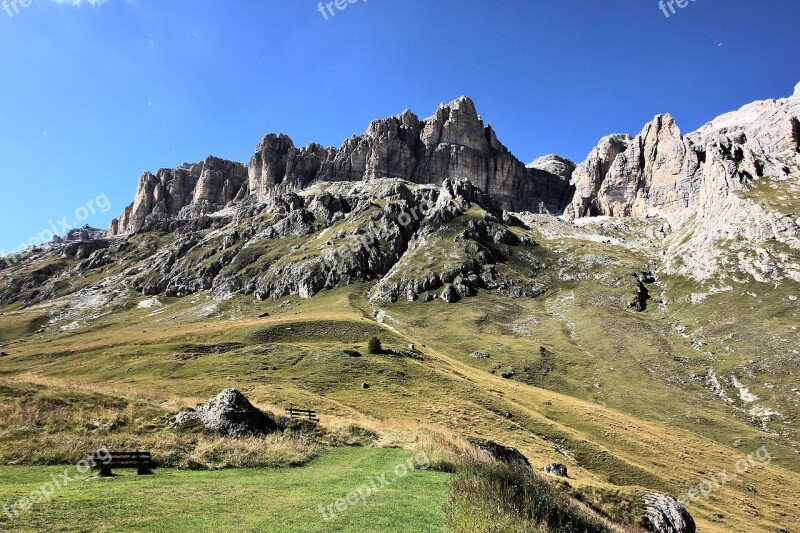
{"x":141,"y":461}
{"x":304,"y":414}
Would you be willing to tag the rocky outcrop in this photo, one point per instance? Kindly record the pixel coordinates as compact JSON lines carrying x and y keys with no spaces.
{"x":188,"y":191}
{"x":552,"y":175}
{"x":664,"y":514}
{"x":231,"y":414}
{"x":86,"y":233}
{"x":503,"y":454}
{"x":278,"y":167}
{"x":768,"y":126}
{"x":656,"y":172}
{"x":660,"y":171}
{"x":454,"y":164}
{"x":700,"y":183}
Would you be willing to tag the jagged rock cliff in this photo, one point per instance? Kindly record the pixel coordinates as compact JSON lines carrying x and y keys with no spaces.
{"x":188,"y":191}
{"x":660,"y":171}
{"x":703,"y":184}
{"x":452,"y":144}
{"x":711,"y":189}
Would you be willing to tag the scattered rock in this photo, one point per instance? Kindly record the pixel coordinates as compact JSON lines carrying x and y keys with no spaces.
{"x":149,"y":303}
{"x":504,"y":454}
{"x":450,"y":295}
{"x":230,"y":414}
{"x":189,"y":356}
{"x":3,"y":354}
{"x":664,"y":514}
{"x":556,"y":469}
{"x":365,"y":385}
{"x":508,"y":375}
{"x":480,"y":355}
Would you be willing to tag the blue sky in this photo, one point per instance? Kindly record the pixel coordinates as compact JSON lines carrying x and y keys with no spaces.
{"x":94,"y":93}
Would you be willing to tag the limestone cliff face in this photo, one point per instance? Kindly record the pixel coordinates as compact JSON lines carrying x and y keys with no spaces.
{"x":661,"y":172}
{"x":654,"y":172}
{"x":188,"y":191}
{"x":452,"y":144}
{"x":698,"y":182}
{"x":701,"y":183}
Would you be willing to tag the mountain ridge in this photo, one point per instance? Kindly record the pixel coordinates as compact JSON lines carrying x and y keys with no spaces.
{"x":658,"y":173}
{"x":278,"y":166}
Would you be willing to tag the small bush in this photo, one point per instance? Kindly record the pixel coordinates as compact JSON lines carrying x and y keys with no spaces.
{"x":374,"y":346}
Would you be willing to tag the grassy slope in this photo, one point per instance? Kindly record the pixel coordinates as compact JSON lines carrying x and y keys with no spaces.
{"x":614,"y":393}
{"x":237,"y":500}
{"x":607,"y":448}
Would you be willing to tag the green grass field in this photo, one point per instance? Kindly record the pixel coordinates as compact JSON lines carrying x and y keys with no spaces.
{"x":258,"y":499}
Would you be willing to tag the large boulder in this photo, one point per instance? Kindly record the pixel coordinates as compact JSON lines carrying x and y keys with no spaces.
{"x":230,"y":414}
{"x":504,"y":454}
{"x":664,"y":514}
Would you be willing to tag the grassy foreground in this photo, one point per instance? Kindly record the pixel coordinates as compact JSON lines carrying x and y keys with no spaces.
{"x":256,"y":499}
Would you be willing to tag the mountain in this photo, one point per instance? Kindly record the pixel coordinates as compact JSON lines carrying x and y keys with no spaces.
{"x":633,"y":316}
{"x":452,"y":144}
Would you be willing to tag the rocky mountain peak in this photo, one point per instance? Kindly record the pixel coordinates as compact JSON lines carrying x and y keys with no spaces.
{"x":554,"y":164}
{"x":457,"y":123}
{"x":451,"y":144}
{"x":660,"y":172}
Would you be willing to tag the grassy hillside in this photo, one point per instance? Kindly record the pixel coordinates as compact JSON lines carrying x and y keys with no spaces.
{"x":585,"y":351}
{"x":303,"y":355}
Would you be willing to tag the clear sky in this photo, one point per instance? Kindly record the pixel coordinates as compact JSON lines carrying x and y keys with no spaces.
{"x":93,"y":93}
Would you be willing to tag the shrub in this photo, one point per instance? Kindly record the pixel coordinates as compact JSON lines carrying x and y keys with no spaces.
{"x":374,"y":346}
